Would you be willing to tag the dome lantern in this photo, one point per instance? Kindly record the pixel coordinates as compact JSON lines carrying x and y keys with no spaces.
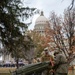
{"x":41,"y":13}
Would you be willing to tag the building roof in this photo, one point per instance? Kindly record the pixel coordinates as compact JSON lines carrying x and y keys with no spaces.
{"x":41,"y":19}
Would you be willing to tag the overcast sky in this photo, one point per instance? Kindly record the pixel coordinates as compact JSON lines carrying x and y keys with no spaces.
{"x":47,"y":6}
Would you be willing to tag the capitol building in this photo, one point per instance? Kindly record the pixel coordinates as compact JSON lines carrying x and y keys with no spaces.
{"x":41,"y":24}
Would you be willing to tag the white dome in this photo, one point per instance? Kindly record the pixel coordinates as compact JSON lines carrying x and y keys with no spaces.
{"x":41,"y":20}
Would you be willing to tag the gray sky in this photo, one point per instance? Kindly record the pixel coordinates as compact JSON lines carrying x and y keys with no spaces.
{"x":47,"y":6}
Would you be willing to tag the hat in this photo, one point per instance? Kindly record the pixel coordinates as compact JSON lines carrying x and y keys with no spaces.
{"x":46,"y":49}
{"x":56,"y":52}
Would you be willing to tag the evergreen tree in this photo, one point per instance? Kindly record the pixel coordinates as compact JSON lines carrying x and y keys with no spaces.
{"x":12,"y":26}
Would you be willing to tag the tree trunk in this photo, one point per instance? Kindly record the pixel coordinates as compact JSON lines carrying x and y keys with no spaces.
{"x":17,"y":63}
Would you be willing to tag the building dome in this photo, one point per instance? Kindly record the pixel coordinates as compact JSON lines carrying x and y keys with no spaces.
{"x":41,"y":20}
{"x":41,"y":24}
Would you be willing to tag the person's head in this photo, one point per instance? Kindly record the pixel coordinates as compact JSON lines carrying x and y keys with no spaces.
{"x":70,"y":52}
{"x":46,"y":50}
{"x":56,"y":52}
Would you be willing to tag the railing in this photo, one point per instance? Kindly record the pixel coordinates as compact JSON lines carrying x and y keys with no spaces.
{"x":32,"y":69}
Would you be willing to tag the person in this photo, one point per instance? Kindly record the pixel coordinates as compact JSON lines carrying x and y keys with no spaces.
{"x":38,"y":60}
{"x":34,"y":60}
{"x":46,"y":57}
{"x":60,"y":64}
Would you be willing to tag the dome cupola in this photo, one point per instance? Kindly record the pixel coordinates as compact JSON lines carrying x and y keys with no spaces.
{"x":41,"y":19}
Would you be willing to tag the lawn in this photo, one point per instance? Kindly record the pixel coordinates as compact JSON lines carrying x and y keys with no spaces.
{"x":6,"y":71}
{"x":5,"y":74}
{"x":71,"y":72}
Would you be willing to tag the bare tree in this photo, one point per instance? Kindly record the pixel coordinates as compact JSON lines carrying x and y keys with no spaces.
{"x":72,"y":4}
{"x":58,"y":34}
{"x":63,"y":31}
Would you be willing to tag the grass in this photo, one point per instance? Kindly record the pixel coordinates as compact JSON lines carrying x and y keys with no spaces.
{"x":6,"y":71}
{"x":5,"y":74}
{"x":71,"y":72}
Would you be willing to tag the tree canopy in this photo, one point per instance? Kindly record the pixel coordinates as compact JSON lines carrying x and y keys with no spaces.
{"x":11,"y":26}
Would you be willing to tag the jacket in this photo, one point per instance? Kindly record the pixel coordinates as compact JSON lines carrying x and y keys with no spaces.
{"x":61,"y":62}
